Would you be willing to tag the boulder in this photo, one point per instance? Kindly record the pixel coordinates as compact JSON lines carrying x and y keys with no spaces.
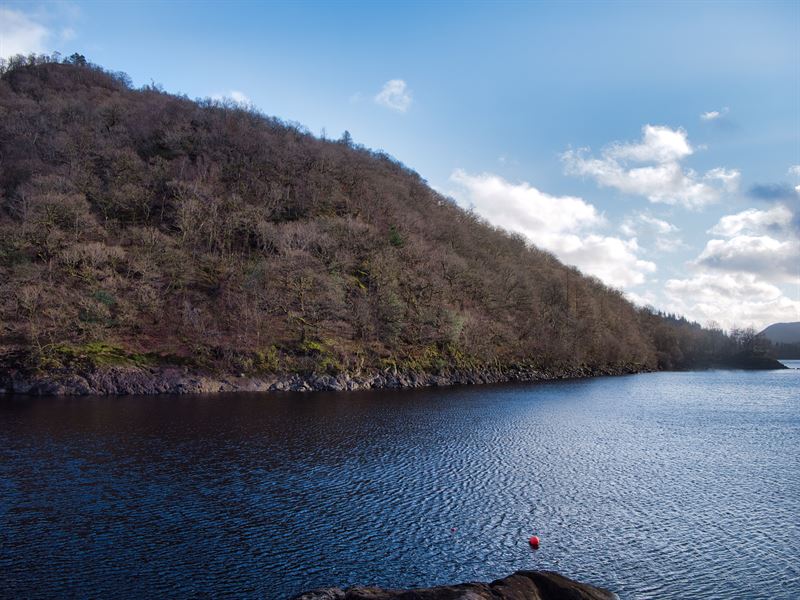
{"x":522,"y":585}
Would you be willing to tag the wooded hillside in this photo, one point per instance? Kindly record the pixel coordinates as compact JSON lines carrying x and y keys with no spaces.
{"x":139,"y":226}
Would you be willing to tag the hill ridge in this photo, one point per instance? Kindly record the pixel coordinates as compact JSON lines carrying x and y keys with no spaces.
{"x":140,"y":229}
{"x":783,"y":333}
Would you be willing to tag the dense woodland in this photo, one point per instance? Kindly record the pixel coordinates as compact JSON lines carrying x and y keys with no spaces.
{"x":783,"y":350}
{"x":139,"y":226}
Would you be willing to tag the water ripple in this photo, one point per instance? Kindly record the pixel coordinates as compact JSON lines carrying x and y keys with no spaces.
{"x":669,"y":485}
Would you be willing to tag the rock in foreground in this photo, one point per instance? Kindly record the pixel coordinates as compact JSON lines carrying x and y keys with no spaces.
{"x":522,"y":585}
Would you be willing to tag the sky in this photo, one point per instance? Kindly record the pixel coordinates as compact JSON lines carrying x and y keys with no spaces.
{"x":655,"y":145}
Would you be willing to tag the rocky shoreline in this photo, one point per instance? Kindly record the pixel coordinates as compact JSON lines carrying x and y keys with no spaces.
{"x":118,"y":380}
{"x":522,"y":585}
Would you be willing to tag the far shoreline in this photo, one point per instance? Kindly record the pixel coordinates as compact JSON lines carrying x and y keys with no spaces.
{"x":128,"y":380}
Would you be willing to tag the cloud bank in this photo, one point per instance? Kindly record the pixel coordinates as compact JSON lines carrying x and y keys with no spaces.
{"x":731,"y":299}
{"x":739,"y":276}
{"x":652,"y":168}
{"x":564,"y":225}
{"x":757,"y":242}
{"x":777,"y":218}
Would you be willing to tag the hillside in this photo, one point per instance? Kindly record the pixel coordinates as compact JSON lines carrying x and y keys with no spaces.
{"x":785,"y":339}
{"x":783,"y":333}
{"x":140,"y":229}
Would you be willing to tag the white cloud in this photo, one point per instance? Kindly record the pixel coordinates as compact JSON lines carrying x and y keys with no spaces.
{"x":659,"y":144}
{"x":761,"y":242}
{"x":763,"y":256}
{"x":713,"y":115}
{"x":663,"y":233}
{"x":643,"y":299}
{"x":660,"y":225}
{"x":234,"y":95}
{"x":730,"y":299}
{"x":742,"y":279}
{"x":521,"y":207}
{"x":394,"y":95}
{"x":635,"y":223}
{"x":239,"y":97}
{"x":19,"y":34}
{"x":611,"y":259}
{"x":794,"y":170}
{"x":559,"y":224}
{"x":753,"y":221}
{"x":662,"y":181}
{"x":728,"y":177}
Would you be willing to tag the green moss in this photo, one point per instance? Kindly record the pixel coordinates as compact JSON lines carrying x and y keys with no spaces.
{"x":389,"y":362}
{"x":267,"y":361}
{"x":460,"y":359}
{"x":310,"y":347}
{"x":429,"y":360}
{"x":323,"y":355}
{"x":98,"y":354}
{"x":104,"y":297}
{"x":395,"y":237}
{"x":433,"y":359}
{"x":361,"y":279}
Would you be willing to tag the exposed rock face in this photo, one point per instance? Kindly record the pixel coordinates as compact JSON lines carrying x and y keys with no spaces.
{"x":522,"y":585}
{"x":174,"y":380}
{"x":109,"y":381}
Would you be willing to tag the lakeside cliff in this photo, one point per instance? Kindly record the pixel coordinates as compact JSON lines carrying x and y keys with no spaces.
{"x":172,"y":380}
{"x":151,"y":242}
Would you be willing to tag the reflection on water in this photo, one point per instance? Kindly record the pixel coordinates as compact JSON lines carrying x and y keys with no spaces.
{"x":668,"y":485}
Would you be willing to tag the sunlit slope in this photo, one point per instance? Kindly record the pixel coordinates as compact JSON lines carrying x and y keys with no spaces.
{"x":136,"y":225}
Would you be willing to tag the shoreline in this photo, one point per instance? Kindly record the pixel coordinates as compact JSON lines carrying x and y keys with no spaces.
{"x":125,"y":380}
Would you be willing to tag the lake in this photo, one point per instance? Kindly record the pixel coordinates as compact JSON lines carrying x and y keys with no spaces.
{"x":662,"y":485}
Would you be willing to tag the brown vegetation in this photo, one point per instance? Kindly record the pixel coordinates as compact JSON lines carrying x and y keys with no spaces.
{"x":156,"y":228}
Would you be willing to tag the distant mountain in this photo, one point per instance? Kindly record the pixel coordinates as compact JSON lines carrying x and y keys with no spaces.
{"x":783,"y":333}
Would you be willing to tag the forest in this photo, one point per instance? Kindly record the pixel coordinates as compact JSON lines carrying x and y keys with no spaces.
{"x":141,"y":227}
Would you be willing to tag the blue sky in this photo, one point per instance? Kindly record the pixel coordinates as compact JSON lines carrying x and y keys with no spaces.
{"x":654,"y":145}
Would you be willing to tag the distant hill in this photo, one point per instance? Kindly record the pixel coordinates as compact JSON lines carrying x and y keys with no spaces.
{"x":142,"y":228}
{"x":783,"y":333}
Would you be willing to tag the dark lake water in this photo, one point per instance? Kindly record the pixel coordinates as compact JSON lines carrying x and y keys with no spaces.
{"x":666,"y":485}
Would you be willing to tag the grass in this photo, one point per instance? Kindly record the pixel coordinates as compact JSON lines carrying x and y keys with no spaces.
{"x":96,"y":354}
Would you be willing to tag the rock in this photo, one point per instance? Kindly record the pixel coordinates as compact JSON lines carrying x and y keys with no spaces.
{"x":522,"y":585}
{"x":180,"y":380}
{"x":322,"y":594}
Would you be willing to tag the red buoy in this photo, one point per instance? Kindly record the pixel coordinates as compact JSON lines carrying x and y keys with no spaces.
{"x":534,"y":541}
